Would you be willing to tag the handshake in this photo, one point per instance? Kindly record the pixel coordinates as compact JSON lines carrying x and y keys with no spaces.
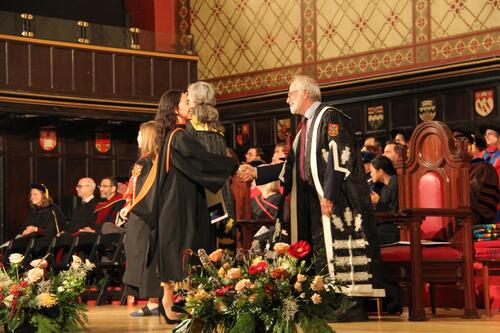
{"x":246,"y":173}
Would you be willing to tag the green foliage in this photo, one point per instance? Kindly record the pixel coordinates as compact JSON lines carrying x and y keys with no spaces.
{"x":245,"y":323}
{"x":315,"y":324}
{"x":44,"y":324}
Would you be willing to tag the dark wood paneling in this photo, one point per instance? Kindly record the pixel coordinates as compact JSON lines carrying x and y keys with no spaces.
{"x":103,"y":73}
{"x":83,"y":72}
{"x":403,"y":113}
{"x":179,"y":70}
{"x":126,"y":148}
{"x":75,"y":145}
{"x":40,"y":66}
{"x":124,"y":167}
{"x":100,"y":168}
{"x":193,"y":71}
{"x":2,"y":62}
{"x":161,"y":76}
{"x":355,"y":111}
{"x":123,"y":73}
{"x":18,"y":179}
{"x":142,"y":76}
{"x":264,"y":132}
{"x":63,"y":69}
{"x":17,"y":59}
{"x":74,"y":168}
{"x":48,"y":173}
{"x":456,"y":106}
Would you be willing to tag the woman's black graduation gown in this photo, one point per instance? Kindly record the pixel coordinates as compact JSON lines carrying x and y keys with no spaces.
{"x":141,"y":281}
{"x":174,"y":203}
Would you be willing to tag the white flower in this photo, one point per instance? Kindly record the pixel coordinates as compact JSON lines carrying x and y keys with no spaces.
{"x":8,"y":300}
{"x":16,"y":258}
{"x":88,"y":265}
{"x":77,"y":262}
{"x":39,"y":263}
{"x":60,"y":289}
{"x":34,"y":275}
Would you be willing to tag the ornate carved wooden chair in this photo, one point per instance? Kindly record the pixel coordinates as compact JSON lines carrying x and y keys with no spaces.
{"x":434,"y":205}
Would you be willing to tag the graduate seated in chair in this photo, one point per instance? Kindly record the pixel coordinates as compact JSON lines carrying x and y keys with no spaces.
{"x":45,"y":221}
{"x":108,"y":210}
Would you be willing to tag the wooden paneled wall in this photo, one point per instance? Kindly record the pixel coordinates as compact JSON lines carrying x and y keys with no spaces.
{"x":453,"y":96}
{"x":23,"y":161}
{"x":92,"y":72}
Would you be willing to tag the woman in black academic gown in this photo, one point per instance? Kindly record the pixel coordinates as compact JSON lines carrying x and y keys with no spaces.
{"x":141,"y":280}
{"x":45,"y":218}
{"x":205,"y":126}
{"x":172,"y":200}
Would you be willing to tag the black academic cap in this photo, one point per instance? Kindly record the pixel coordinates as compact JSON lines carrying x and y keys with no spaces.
{"x":41,"y":187}
{"x":121,"y":179}
{"x":488,"y":123}
{"x":461,"y":129}
{"x":478,"y":141}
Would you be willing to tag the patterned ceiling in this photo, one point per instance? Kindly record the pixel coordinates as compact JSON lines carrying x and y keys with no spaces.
{"x":249,"y":47}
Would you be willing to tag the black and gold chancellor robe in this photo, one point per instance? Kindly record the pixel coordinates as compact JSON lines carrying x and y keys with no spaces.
{"x":173,"y":201}
{"x":333,"y":170}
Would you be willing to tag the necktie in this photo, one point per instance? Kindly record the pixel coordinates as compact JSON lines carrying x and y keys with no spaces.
{"x":303,"y":138}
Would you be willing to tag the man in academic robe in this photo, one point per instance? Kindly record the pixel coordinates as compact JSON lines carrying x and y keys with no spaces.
{"x":106,"y":211}
{"x":330,"y":201}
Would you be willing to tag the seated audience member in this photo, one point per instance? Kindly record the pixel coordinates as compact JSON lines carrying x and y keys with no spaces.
{"x":484,"y":192}
{"x":121,"y":184}
{"x":400,"y":136}
{"x":265,"y":205}
{"x":384,"y":174}
{"x":254,"y":156}
{"x":83,"y":216}
{"x":374,"y":143}
{"x":108,"y":210}
{"x":390,"y":150}
{"x":367,"y":157}
{"x":382,"y":171}
{"x":279,"y":153}
{"x":45,"y":218}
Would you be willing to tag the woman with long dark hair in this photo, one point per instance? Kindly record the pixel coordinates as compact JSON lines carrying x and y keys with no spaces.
{"x":172,"y":200}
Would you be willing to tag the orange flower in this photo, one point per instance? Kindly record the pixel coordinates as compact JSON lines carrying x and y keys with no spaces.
{"x":279,"y":272}
{"x":317,"y":283}
{"x":234,"y":273}
{"x":281,"y":248}
{"x":216,"y":255}
{"x":316,"y":298}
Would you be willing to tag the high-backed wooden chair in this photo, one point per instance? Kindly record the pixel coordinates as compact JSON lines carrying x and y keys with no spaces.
{"x":434,"y":205}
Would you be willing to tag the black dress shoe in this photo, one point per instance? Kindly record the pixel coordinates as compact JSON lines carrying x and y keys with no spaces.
{"x":163,"y":313}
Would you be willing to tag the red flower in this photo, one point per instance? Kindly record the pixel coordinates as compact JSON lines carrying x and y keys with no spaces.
{"x":299,"y":249}
{"x":23,"y":284}
{"x":222,"y":291}
{"x":257,"y":268}
{"x":268,"y":288}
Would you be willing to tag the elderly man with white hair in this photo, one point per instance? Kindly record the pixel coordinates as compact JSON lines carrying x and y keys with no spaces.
{"x":330,"y":201}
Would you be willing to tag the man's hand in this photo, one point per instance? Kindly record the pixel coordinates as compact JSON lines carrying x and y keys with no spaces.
{"x":29,"y":230}
{"x":374,"y":197}
{"x":327,"y":207}
{"x":246,"y":173}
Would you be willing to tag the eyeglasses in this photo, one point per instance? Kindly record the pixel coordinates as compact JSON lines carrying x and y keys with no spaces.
{"x":292,"y":93}
{"x":101,"y":186}
{"x":80,"y":186}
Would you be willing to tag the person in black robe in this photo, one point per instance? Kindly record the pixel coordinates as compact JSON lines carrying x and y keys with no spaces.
{"x":45,"y":220}
{"x":140,"y":279}
{"x":386,"y":200}
{"x":172,"y":200}
{"x":204,"y":125}
{"x":330,"y":202}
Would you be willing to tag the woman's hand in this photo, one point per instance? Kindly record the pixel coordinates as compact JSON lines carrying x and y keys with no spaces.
{"x":29,"y":230}
{"x":124,"y":212}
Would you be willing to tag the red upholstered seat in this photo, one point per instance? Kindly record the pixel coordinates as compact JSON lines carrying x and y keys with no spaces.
{"x":401,"y":253}
{"x":431,"y":184}
{"x":487,"y":244}
{"x":487,"y":249}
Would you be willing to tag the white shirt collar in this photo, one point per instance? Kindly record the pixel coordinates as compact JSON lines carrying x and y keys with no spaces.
{"x":87,"y":199}
{"x":310,"y":111}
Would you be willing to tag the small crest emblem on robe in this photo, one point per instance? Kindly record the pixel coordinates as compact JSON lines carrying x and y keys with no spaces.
{"x":48,"y":139}
{"x":427,"y":109}
{"x":484,"y":102}
{"x":333,"y":130}
{"x":103,"y":142}
{"x":376,"y":116}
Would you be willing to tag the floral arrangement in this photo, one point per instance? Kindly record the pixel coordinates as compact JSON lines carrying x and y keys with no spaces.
{"x":38,"y":301}
{"x":273,"y":291}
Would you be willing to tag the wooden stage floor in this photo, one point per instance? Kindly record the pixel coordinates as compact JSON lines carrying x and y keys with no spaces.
{"x":115,"y":319}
